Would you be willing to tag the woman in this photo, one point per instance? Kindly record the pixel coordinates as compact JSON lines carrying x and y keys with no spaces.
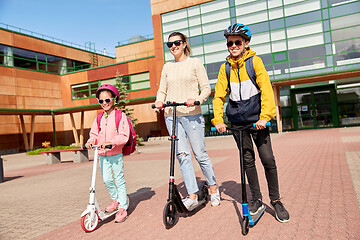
{"x":180,"y":81}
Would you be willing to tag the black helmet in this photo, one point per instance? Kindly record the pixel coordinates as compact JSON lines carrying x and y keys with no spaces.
{"x":238,"y":29}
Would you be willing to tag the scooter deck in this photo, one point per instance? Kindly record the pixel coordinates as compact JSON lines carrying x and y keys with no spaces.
{"x":195,"y":206}
{"x":254,"y":218}
{"x":105,"y":215}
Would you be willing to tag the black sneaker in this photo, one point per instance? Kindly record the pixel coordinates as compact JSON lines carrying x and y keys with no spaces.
{"x":256,"y":206}
{"x":281,"y":213}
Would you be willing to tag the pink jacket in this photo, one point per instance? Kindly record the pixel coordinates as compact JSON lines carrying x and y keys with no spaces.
{"x":108,"y":133}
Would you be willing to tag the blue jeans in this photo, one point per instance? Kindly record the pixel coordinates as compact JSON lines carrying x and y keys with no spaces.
{"x":114,"y":165}
{"x":192,"y":128}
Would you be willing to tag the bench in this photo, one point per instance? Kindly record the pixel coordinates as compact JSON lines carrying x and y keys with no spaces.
{"x":53,"y":156}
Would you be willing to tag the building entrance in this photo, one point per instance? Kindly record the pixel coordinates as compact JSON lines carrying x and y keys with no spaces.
{"x":314,"y":107}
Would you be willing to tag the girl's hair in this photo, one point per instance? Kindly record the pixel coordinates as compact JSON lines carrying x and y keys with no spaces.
{"x":185,"y":39}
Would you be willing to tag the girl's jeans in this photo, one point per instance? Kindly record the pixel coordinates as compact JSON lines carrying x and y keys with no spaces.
{"x":114,"y":165}
{"x":191,"y":127}
{"x":263,"y":144}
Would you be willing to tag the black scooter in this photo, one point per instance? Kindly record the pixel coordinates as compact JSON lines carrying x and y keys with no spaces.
{"x":174,"y":203}
{"x":248,"y":219}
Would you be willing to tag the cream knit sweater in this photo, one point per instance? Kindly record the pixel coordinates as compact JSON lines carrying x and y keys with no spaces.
{"x":180,"y":81}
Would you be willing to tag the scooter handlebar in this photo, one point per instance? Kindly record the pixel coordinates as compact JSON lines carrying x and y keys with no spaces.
{"x":106,"y":146}
{"x":171,"y":104}
{"x":268,"y":124}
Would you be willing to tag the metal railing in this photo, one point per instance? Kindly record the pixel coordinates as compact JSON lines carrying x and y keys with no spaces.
{"x":52,"y":39}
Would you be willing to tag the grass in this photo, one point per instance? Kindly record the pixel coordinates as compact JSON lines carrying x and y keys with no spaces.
{"x":37,"y":151}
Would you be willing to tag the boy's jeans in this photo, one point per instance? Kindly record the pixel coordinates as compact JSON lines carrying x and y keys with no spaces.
{"x":191,"y":127}
{"x":114,"y":165}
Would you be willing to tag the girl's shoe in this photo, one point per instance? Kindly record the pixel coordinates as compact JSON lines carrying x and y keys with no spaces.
{"x":121,"y":215}
{"x":113,"y":206}
{"x":215,"y":199}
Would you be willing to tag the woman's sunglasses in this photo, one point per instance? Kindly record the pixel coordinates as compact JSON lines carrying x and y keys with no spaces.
{"x":177,"y":43}
{"x":231,"y":43}
{"x":108,"y":100}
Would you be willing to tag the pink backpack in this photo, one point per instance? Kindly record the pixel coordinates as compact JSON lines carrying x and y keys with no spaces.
{"x":131,"y":144}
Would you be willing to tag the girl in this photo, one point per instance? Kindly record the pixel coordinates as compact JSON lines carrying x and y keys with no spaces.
{"x":111,"y":160}
{"x":180,"y":82}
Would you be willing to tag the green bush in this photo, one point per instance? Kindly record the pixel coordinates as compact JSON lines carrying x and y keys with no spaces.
{"x":37,"y":151}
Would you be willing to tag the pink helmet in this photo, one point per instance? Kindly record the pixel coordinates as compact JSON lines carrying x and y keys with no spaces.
{"x":110,"y":88}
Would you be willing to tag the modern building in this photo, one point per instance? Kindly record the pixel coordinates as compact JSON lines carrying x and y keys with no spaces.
{"x":310,"y":48}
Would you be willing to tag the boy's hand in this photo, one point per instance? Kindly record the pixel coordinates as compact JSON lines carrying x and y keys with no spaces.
{"x":221,"y":127}
{"x":261,"y":124}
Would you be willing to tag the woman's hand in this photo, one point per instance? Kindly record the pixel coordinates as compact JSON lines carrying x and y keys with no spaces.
{"x":190,"y":102}
{"x":261,"y":124}
{"x":88,"y":145}
{"x":221,"y":127}
{"x":159,"y":104}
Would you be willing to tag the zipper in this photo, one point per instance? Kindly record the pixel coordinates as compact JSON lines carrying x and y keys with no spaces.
{"x":237,"y":65}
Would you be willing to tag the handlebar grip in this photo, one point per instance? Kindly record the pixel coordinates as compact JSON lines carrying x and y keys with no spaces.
{"x":268,"y":124}
{"x":83,"y":147}
{"x":197,"y":103}
{"x":153,"y":105}
{"x":108,"y":146}
{"x":213,"y":129}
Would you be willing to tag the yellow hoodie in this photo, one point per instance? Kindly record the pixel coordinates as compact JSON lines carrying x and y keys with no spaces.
{"x":244,"y":90}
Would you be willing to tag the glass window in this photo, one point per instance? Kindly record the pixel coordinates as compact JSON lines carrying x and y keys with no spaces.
{"x":277,"y":23}
{"x":215,"y":47}
{"x":344,"y":9}
{"x":195,"y":31}
{"x":192,"y":11}
{"x":274,"y":3}
{"x":194,"y":21}
{"x":346,"y":33}
{"x":253,"y":18}
{"x":216,"y":26}
{"x":175,"y":15}
{"x":307,"y":52}
{"x":301,"y":7}
{"x":347,"y":58}
{"x":197,"y":50}
{"x":278,"y":46}
{"x":251,"y":7}
{"x":281,"y":68}
{"x":262,"y":48}
{"x":306,"y":41}
{"x":308,"y":64}
{"x":6,"y":56}
{"x":214,"y":5}
{"x":280,"y":57}
{"x":276,"y":13}
{"x":174,"y":26}
{"x":213,"y":67}
{"x":303,"y":18}
{"x":80,"y":91}
{"x":346,"y":46}
{"x":215,"y":16}
{"x":325,"y":13}
{"x":258,"y":27}
{"x":196,"y":40}
{"x":346,"y":21}
{"x":215,"y":57}
{"x":24,"y":58}
{"x":304,"y":30}
{"x":54,"y":64}
{"x":266,"y":58}
{"x":215,"y":36}
{"x":277,"y":35}
{"x":260,"y":38}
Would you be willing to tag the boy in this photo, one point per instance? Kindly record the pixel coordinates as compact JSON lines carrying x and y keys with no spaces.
{"x":249,"y":102}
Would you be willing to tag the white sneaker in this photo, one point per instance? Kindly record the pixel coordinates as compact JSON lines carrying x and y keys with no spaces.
{"x":215,"y":199}
{"x":188,"y":202}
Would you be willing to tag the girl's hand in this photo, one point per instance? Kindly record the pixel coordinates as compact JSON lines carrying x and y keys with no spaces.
{"x":88,"y":145}
{"x":221,"y":127}
{"x":261,"y":124}
{"x":105,"y":144}
{"x":159,"y":104}
{"x":190,"y":102}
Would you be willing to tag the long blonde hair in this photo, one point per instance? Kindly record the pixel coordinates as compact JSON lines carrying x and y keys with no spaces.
{"x":185,"y":39}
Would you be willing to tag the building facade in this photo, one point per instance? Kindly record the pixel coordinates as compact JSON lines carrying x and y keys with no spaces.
{"x":310,"y":48}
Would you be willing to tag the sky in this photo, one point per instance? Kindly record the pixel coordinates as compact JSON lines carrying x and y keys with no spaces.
{"x":102,"y":22}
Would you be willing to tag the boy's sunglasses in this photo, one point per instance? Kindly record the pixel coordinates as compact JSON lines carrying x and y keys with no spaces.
{"x":177,"y":43}
{"x":108,"y":100}
{"x":231,"y":43}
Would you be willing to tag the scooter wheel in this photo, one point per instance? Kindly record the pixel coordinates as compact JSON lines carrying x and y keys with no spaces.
{"x":170,"y":215}
{"x":245,"y":226}
{"x":88,"y":224}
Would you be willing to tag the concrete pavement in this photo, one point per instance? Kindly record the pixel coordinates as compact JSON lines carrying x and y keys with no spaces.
{"x":319,"y":175}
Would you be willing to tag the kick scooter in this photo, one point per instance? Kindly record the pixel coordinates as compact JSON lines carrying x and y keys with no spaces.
{"x":174,"y":203}
{"x":248,"y":219}
{"x":91,"y":216}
